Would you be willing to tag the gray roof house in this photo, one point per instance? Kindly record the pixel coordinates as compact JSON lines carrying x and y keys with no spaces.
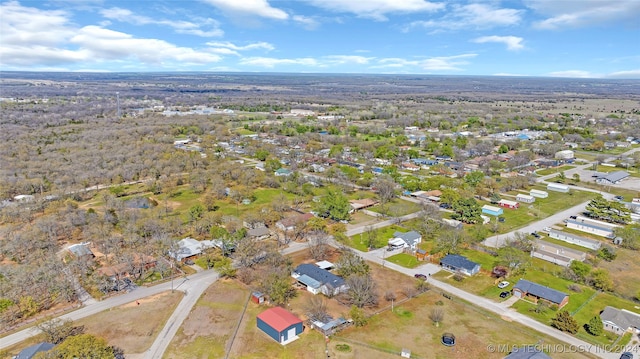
{"x":527,"y":352}
{"x":535,"y":292}
{"x":620,"y":320}
{"x":30,"y":352}
{"x":318,"y":280}
{"x":458,"y":263}
{"x":411,"y":238}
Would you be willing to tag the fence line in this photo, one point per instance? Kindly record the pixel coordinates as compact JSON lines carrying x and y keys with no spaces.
{"x":235,"y":332}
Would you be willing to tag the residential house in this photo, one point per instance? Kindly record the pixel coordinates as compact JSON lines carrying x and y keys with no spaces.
{"x":538,"y":193}
{"x":536,"y":292}
{"x":458,"y":263}
{"x":525,"y":198}
{"x":574,"y":239}
{"x":290,"y":223}
{"x":330,"y":326}
{"x":136,"y":265}
{"x":564,"y":155}
{"x":30,"y":352}
{"x":557,"y":187}
{"x":358,"y":204}
{"x":588,"y":225}
{"x":508,"y":204}
{"x":188,"y":248}
{"x":259,"y":232}
{"x":410,"y":166}
{"x":81,"y":250}
{"x":556,"y":254}
{"x":620,"y":321}
{"x":410,"y":239}
{"x":527,"y":352}
{"x":491,"y":210}
{"x":318,"y":280}
{"x":280,"y":324}
{"x":282,"y":172}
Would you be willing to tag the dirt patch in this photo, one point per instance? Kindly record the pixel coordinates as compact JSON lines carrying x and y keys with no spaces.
{"x":208,"y":328}
{"x":133,"y":327}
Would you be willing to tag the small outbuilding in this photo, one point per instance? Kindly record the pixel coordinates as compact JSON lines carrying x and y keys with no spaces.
{"x":505,"y":203}
{"x":257,"y":297}
{"x":525,"y":198}
{"x":280,"y":324}
{"x":538,"y":193}
{"x":491,"y":210}
{"x":557,"y":187}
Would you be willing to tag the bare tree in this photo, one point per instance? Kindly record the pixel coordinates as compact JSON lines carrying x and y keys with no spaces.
{"x":316,"y":309}
{"x":318,"y":245}
{"x":362,"y":291}
{"x":437,"y":316}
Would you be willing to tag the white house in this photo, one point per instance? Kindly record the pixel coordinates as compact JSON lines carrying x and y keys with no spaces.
{"x":525,"y":198}
{"x":620,"y":321}
{"x":564,"y":155}
{"x":557,"y":187}
{"x":577,"y":240}
{"x":588,"y":225}
{"x":539,"y":194}
{"x":318,"y":280}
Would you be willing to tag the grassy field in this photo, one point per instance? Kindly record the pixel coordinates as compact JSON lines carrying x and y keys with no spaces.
{"x":206,"y":333}
{"x":397,"y":207}
{"x":405,"y":260}
{"x":383,"y":235}
{"x":548,"y":171}
{"x":131,"y":327}
{"x":624,"y":272}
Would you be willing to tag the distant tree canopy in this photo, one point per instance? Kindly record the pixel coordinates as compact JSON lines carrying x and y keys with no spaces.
{"x":612,"y":211}
{"x":334,"y":205}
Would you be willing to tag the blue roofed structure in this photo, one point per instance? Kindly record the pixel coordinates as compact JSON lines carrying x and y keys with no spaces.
{"x":330,"y":284}
{"x":458,"y":263}
{"x":30,"y":352}
{"x":535,"y":292}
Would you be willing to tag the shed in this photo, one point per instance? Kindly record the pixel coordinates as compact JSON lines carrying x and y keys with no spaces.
{"x":491,"y":210}
{"x":525,"y":198}
{"x":508,"y":204}
{"x":257,"y":297}
{"x":558,"y":187}
{"x":538,"y":193}
{"x":326,"y":265}
{"x":280,"y":324}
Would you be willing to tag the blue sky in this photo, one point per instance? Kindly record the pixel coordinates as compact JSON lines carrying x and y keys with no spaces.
{"x":565,"y":38}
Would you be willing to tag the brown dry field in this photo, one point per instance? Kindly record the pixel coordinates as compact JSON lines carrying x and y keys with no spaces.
{"x":133,"y":327}
{"x":208,"y":328}
{"x":624,"y":272}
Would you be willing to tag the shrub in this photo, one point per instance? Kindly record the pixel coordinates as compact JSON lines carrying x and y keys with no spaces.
{"x":439,"y":302}
{"x":594,"y":327}
{"x":458,"y":277}
{"x":565,"y":322}
{"x":343,"y":348}
{"x":575,"y":288}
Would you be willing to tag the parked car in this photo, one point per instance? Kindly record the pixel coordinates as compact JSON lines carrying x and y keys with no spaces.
{"x":535,"y":234}
{"x":573,"y":217}
{"x":501,"y":219}
{"x":420,"y":276}
{"x":626,"y":355}
{"x":547,"y":229}
{"x":504,"y":294}
{"x":503,"y":284}
{"x":618,"y":198}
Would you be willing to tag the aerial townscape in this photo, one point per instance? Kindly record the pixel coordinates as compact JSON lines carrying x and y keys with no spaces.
{"x":183,"y":212}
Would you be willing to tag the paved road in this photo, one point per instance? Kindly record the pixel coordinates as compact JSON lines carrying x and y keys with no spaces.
{"x":193,"y":283}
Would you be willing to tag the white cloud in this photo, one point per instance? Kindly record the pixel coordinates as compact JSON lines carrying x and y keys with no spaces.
{"x":506,"y":74}
{"x":256,"y":45}
{"x":472,"y":16}
{"x":307,"y":22}
{"x":182,"y":27}
{"x":249,"y":7}
{"x":630,"y":74}
{"x":513,"y":43}
{"x":377,"y":9}
{"x":22,"y":25}
{"x":108,"y":44}
{"x":562,"y":14}
{"x":270,"y":62}
{"x":347,"y":59}
{"x":443,"y":63}
{"x":574,"y":74}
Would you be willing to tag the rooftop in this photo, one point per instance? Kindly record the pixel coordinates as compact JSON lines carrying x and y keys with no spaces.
{"x":279,"y":318}
{"x":540,"y":291}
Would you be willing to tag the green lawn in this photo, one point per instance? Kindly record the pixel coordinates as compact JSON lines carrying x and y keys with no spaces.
{"x":548,"y":171}
{"x":397,"y":207}
{"x":359,"y":241}
{"x":405,"y":260}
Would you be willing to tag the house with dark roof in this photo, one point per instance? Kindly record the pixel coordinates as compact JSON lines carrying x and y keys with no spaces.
{"x":535,"y":292}
{"x":620,"y":321}
{"x":458,"y":263}
{"x":612,"y":177}
{"x":527,"y":352}
{"x":280,"y":324}
{"x":318,"y":280}
{"x":30,"y":352}
{"x":258,"y":232}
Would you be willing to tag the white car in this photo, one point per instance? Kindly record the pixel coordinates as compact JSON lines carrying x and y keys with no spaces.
{"x":503,"y":284}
